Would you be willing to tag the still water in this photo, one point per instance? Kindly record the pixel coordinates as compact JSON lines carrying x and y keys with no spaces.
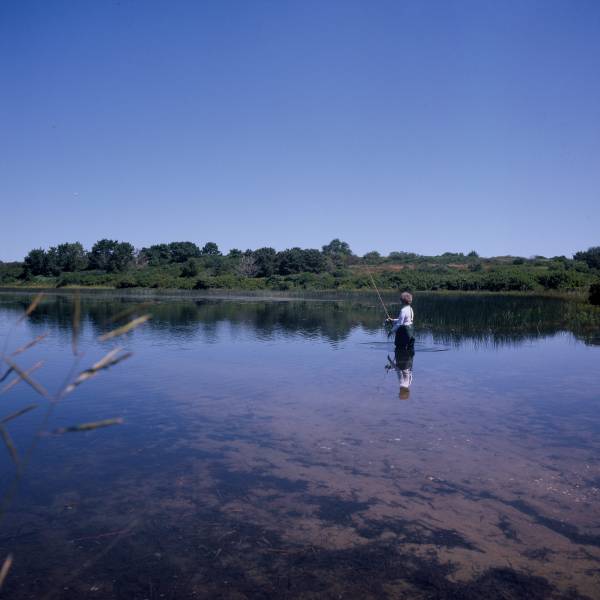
{"x":279,"y":449}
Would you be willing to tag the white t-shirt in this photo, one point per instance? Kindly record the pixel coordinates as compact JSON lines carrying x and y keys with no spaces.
{"x":406,"y":316}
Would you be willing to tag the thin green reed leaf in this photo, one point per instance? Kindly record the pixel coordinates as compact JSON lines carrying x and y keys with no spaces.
{"x":32,"y":343}
{"x":89,"y":426}
{"x":125,"y":328}
{"x":6,"y":565}
{"x":25,"y":377}
{"x":108,"y":361}
{"x":9,"y":445}
{"x":6,"y":374}
{"x":16,"y":380}
{"x":32,"y":306}
{"x":18,"y":413}
{"x":76,"y":319}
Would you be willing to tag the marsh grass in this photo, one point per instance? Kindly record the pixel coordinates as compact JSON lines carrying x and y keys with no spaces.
{"x":48,"y":400}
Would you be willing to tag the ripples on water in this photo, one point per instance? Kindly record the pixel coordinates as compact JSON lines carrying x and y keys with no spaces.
{"x":282,"y":450}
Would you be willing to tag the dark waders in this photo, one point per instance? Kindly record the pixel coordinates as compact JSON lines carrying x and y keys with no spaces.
{"x":405,"y":337}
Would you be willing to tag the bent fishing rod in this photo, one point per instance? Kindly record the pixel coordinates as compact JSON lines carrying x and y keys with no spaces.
{"x":379,"y":295}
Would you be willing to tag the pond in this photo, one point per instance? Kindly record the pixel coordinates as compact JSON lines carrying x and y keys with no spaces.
{"x":280,"y":449}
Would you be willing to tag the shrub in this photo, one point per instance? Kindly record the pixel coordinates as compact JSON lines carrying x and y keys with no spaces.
{"x":69,"y":279}
{"x":126,"y":282}
{"x":10,"y":272}
{"x":508,"y":281}
{"x":225,"y":281}
{"x":183,"y":283}
{"x":560,"y":280}
{"x":253,"y":283}
{"x":277,"y":282}
{"x":202,"y":283}
{"x":190,"y":269}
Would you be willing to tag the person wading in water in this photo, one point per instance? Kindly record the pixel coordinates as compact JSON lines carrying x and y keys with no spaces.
{"x":403,"y":325}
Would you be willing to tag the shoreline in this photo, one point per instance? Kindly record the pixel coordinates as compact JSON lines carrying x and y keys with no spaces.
{"x":237,"y":294}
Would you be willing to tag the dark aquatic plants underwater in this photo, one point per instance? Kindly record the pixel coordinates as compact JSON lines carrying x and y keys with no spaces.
{"x":265,"y":454}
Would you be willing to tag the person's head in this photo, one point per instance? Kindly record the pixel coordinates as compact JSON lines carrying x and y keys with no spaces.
{"x":404,"y":393}
{"x":406,"y":298}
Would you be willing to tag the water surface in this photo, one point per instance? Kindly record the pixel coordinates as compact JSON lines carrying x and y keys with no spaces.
{"x":275,"y":449}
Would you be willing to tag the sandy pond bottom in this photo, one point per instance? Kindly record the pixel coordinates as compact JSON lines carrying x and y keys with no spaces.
{"x":287,"y":466}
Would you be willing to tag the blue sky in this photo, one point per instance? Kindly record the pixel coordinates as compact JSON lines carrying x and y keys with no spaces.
{"x":419,"y":126}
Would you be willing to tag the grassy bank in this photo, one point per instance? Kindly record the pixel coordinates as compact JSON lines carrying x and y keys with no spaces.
{"x":498,"y":279}
{"x":389,"y":294}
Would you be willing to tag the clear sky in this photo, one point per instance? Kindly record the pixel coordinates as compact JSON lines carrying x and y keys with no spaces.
{"x":394,"y":125}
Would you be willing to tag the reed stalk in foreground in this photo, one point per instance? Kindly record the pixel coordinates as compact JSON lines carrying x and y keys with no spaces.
{"x":9,"y":365}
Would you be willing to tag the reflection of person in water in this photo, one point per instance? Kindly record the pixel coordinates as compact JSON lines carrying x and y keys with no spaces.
{"x":403,"y":325}
{"x":403,"y":365}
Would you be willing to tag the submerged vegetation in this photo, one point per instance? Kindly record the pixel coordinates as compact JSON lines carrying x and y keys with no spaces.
{"x":185,"y":265}
{"x":210,"y":486}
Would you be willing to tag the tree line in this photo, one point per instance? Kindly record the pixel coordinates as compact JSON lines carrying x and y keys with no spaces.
{"x":112,"y":256}
{"x":186,"y":265}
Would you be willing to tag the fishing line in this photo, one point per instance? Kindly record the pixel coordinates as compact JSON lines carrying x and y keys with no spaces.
{"x":378,"y":294}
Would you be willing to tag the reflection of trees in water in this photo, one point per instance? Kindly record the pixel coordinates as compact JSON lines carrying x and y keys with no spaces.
{"x":332,"y":321}
{"x":485,"y":319}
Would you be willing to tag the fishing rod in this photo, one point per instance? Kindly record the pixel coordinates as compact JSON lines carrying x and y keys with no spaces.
{"x":378,"y":294}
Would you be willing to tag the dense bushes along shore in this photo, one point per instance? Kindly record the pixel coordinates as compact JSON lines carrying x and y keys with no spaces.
{"x":185,"y":265}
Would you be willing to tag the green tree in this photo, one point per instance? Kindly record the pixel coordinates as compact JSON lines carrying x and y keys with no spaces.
{"x":265,"y":261}
{"x":156,"y":255}
{"x":110,"y":255}
{"x":122,"y":256}
{"x":52,"y":265}
{"x":211,"y":249}
{"x":101,"y":254}
{"x":36,"y":263}
{"x":338,"y":252}
{"x":314,"y":261}
{"x":337,"y":248}
{"x":297,"y":260}
{"x":290,"y":261}
{"x":182,"y":251}
{"x":591,"y":257}
{"x":69,"y":257}
{"x":372,"y":258}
